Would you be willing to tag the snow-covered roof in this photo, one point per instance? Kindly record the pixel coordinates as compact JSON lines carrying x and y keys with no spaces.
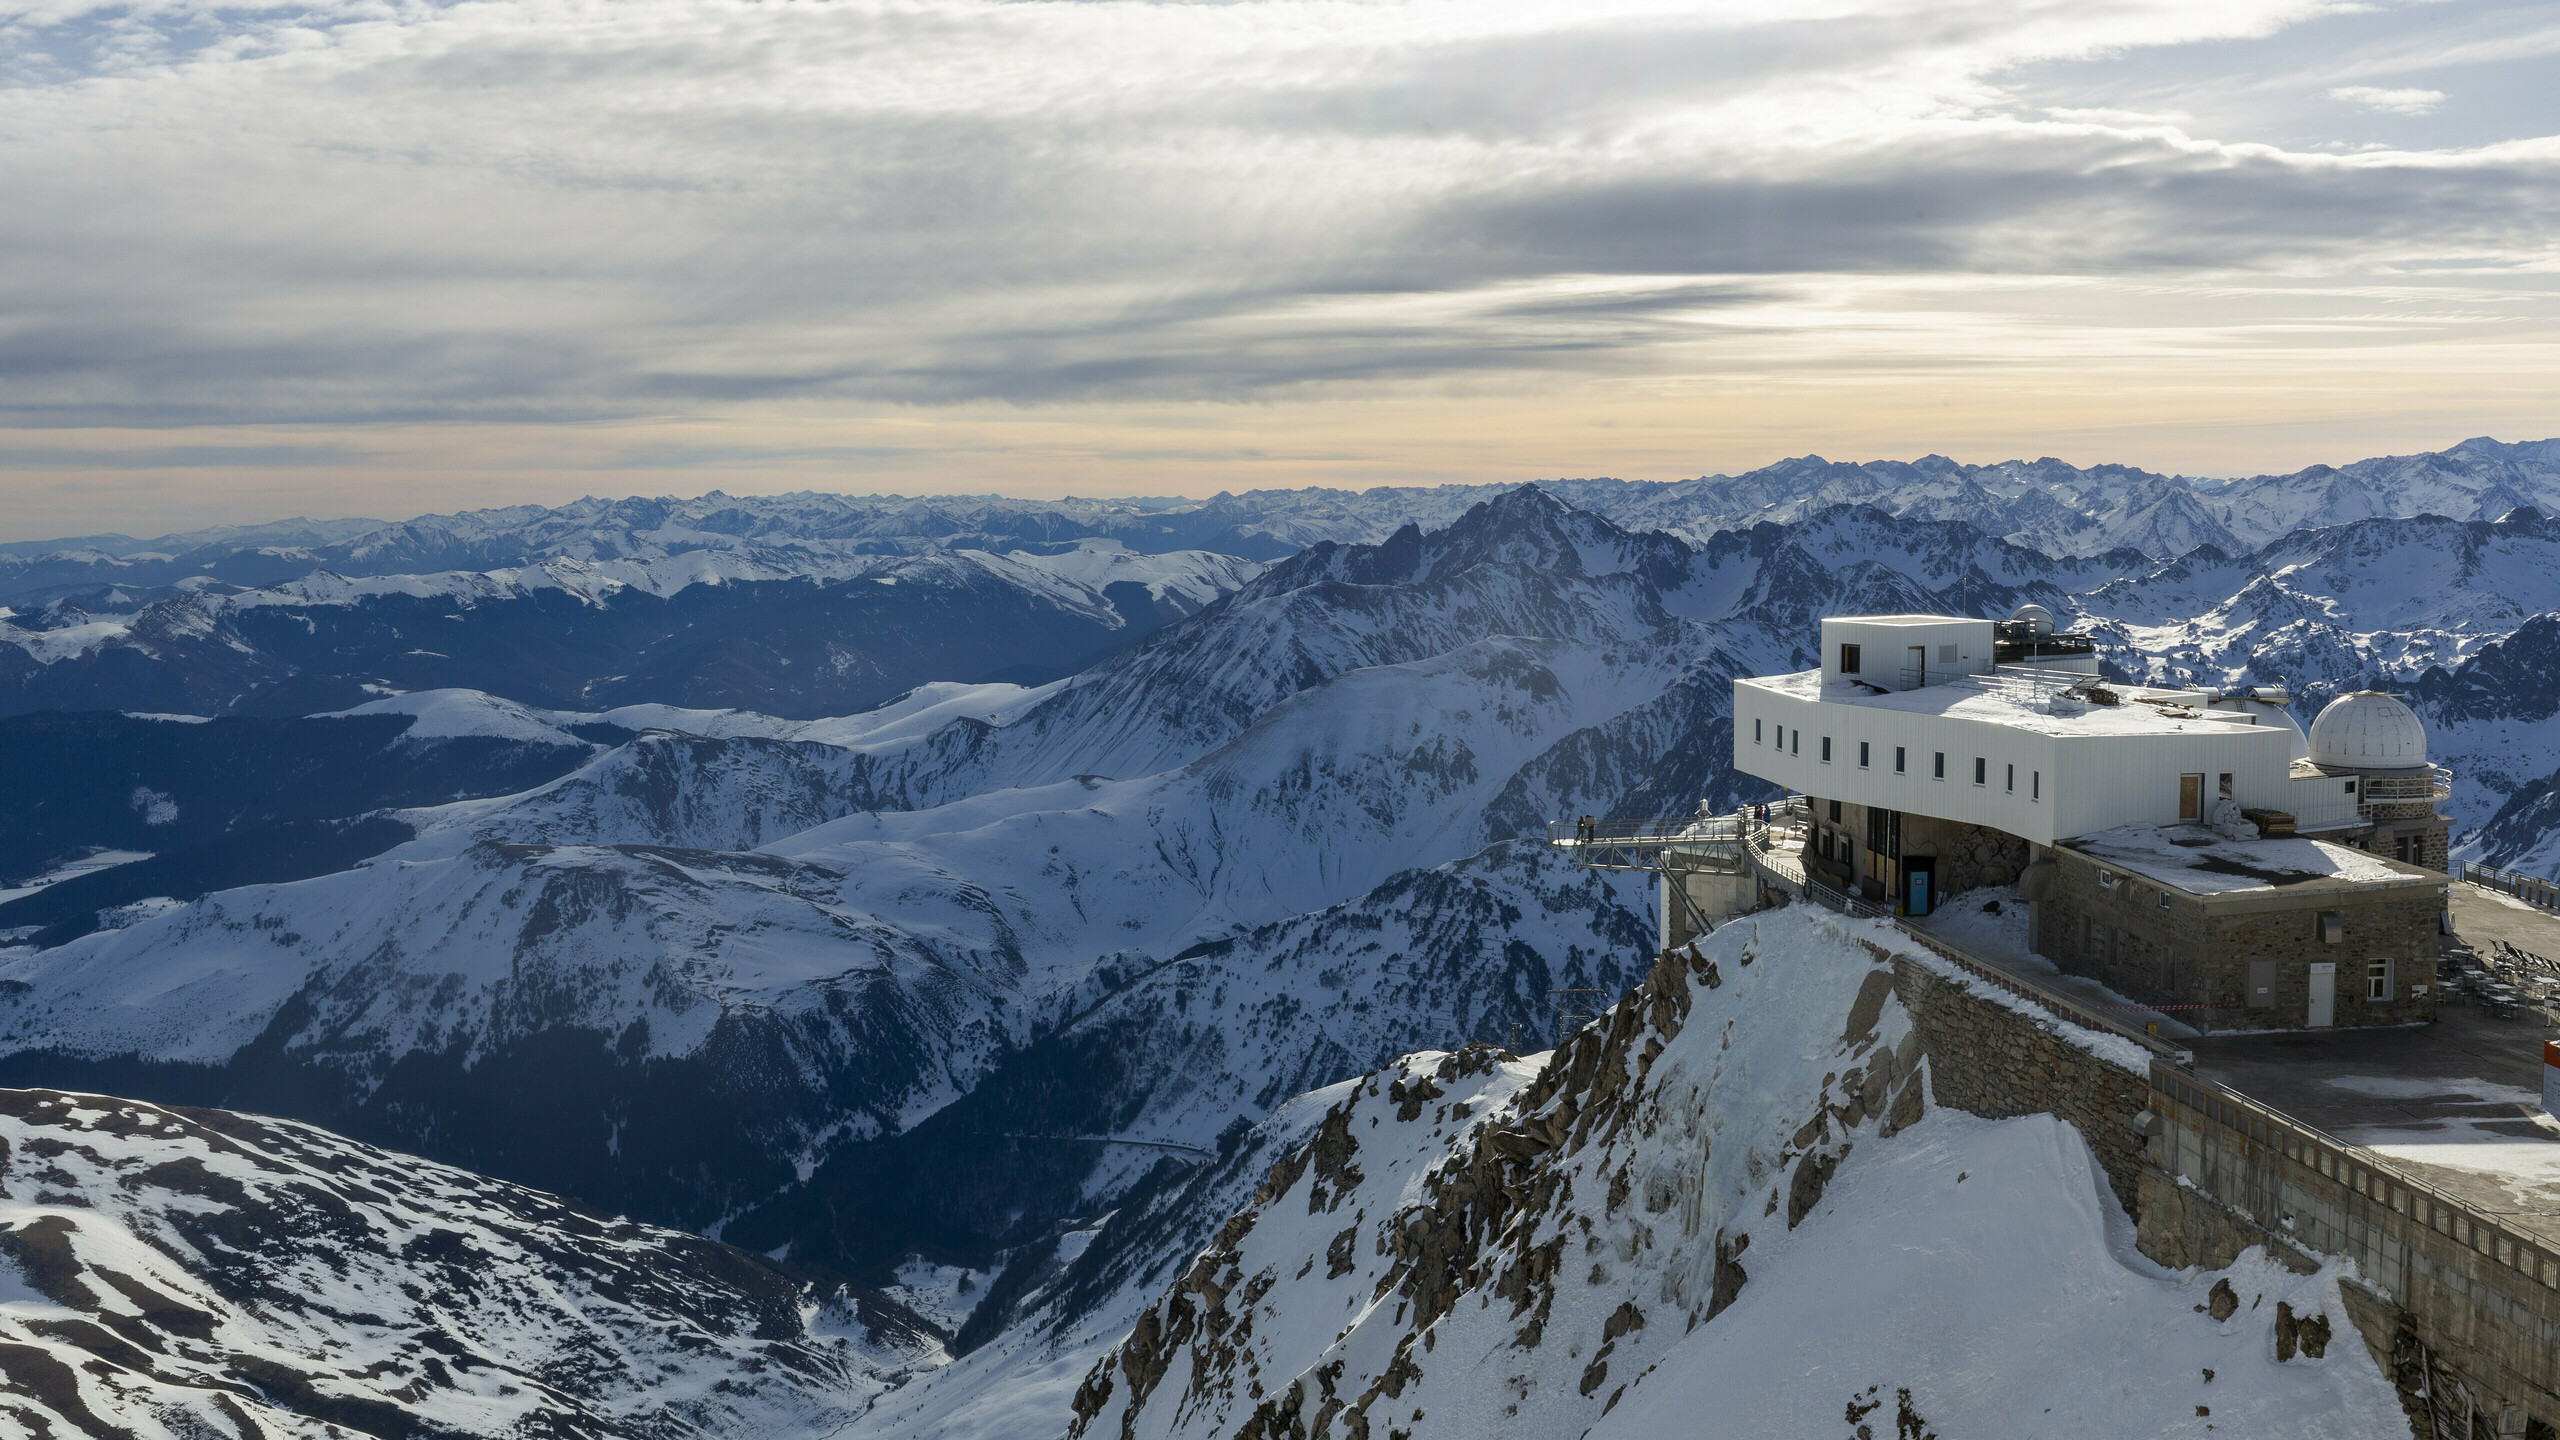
{"x":2023,"y":702}
{"x":2200,"y":862}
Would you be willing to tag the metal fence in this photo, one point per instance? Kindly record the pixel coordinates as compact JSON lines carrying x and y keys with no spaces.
{"x":2531,"y":889}
{"x":2362,"y":1173}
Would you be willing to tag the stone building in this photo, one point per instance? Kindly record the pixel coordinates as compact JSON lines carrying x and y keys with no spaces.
{"x":2261,"y":934}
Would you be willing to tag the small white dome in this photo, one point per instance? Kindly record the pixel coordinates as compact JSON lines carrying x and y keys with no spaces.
{"x":2368,"y":730}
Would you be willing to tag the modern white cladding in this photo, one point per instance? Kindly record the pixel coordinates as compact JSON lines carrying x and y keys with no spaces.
{"x":1903,"y":652}
{"x":2043,"y":776}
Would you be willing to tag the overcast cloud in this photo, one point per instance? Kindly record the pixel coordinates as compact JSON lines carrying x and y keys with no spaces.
{"x":559,"y":213}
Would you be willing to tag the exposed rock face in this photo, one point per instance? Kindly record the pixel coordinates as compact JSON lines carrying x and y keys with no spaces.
{"x":1732,"y":1196}
{"x":1576,"y":1223}
{"x":203,"y":1273}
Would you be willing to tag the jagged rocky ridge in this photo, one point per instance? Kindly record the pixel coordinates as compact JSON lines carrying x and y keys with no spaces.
{"x":188,"y":1273}
{"x":1731,"y":1195}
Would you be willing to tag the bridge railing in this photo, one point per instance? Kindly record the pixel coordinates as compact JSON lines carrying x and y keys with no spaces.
{"x":1699,"y":829}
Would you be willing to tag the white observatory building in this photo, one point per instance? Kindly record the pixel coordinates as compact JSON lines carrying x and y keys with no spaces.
{"x":2173,"y":841}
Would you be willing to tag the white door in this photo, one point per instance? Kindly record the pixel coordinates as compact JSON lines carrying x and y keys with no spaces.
{"x":2324,"y":994}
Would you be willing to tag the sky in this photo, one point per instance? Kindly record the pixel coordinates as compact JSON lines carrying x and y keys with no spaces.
{"x":384,"y":257}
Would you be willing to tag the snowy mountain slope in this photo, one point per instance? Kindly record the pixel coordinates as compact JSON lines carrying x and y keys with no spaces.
{"x":2479,"y":479}
{"x":354,"y":996}
{"x":1083,"y":1289}
{"x":932,"y":894}
{"x":168,"y":1273}
{"x":2348,"y":600}
{"x":71,"y":782}
{"x":1180,"y":1058}
{"x":807,"y":631}
{"x":1513,"y":566}
{"x":851,"y":978}
{"x":655,"y":1029}
{"x":1729,"y":1196}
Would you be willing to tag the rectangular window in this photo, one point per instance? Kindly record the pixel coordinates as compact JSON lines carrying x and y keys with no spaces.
{"x":1796,"y":746}
{"x":1981,"y":771}
{"x":2012,"y":782}
{"x":2106,"y":879}
{"x":1862,"y":754}
{"x":2164,"y":899}
{"x":2191,"y":797}
{"x":2377,"y":980}
{"x":1826,"y":749}
{"x":2035,"y":785}
{"x":2351,"y":787}
{"x":1848,"y":659}
{"x":1835,"y":812}
{"x":1946,"y":654}
{"x":1897,"y":759}
{"x":1755,"y":731}
{"x":1942,"y":764}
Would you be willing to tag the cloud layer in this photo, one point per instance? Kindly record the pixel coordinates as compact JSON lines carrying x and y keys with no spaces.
{"x":546,"y":212}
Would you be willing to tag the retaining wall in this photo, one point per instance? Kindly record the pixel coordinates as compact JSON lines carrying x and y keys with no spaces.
{"x":2485,"y":1297}
{"x":2481,"y":1299}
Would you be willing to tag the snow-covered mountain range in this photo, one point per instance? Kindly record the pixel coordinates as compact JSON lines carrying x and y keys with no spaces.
{"x":791,"y":945}
{"x":2044,"y":504}
{"x":911,"y":995}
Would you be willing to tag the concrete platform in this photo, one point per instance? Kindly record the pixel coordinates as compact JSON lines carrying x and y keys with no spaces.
{"x":2456,"y":1103}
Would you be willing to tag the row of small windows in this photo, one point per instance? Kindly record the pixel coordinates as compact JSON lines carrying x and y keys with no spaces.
{"x":1792,"y":742}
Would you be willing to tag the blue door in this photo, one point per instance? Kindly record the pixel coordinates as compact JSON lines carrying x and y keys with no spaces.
{"x":1915,"y":884}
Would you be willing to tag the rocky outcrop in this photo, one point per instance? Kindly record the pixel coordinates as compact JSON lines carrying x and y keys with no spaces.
{"x":1460,"y":1216}
{"x":199,"y":1272}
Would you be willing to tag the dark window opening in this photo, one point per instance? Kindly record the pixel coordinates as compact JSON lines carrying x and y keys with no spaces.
{"x":1848,"y":659}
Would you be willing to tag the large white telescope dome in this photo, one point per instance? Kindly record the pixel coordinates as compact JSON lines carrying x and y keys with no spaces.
{"x":2368,"y":730}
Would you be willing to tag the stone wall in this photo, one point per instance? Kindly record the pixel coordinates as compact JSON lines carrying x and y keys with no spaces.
{"x":1965,"y":856}
{"x":1968,"y":855}
{"x":1987,"y":1057}
{"x":2486,"y":1301}
{"x":2194,"y":953}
